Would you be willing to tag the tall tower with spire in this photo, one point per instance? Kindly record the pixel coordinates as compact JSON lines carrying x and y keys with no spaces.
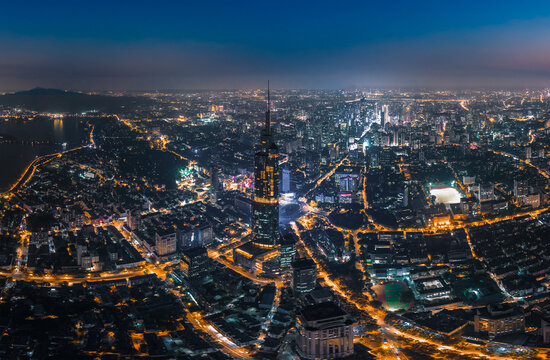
{"x":265,"y":206}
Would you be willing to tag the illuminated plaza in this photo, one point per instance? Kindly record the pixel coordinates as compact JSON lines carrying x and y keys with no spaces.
{"x":446,"y":195}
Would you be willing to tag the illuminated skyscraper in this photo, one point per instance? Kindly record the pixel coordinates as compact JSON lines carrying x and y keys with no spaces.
{"x":304,"y":276}
{"x":287,"y":251}
{"x":384,"y":116}
{"x":286,"y":180}
{"x":265,"y":207}
{"x":363,"y":110}
{"x":214,"y":184}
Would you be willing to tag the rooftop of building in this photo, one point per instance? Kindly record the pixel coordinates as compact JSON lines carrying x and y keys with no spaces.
{"x":303,"y":263}
{"x":251,"y":250}
{"x":500,"y":311}
{"x":194,"y":252}
{"x":326,"y":310}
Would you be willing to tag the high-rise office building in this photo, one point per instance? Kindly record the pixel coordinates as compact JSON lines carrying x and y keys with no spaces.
{"x":304,"y":276}
{"x":286,"y":180}
{"x":214,"y":184}
{"x":384,"y":116}
{"x":265,"y":207}
{"x":363,"y":110}
{"x":194,"y":263}
{"x":287,"y":251}
{"x":261,"y":254}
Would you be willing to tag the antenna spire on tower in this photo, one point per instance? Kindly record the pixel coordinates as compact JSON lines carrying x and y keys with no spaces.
{"x":268,"y":112}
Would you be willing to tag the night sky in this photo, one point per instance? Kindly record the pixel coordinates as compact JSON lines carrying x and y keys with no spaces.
{"x":140,"y":45}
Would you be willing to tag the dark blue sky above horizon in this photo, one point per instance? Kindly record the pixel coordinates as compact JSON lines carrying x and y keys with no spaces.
{"x":240,"y":44}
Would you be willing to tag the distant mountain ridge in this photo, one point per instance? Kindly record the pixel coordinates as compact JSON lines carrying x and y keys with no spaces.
{"x":46,"y":91}
{"x":57,"y":100}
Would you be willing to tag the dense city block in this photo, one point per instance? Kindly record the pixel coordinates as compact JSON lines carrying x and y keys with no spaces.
{"x":276,"y":224}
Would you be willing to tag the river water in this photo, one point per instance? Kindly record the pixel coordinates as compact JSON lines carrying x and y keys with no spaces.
{"x":29,"y":139}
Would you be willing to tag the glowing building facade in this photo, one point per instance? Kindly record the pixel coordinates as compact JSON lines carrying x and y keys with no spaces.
{"x":324,"y":331}
{"x":265,"y":207}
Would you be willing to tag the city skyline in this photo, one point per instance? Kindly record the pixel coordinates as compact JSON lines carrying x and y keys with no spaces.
{"x":405,"y":224}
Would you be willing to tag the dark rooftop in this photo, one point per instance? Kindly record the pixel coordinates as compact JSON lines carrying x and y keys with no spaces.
{"x":194,"y":252}
{"x":303,"y":263}
{"x":322,"y":311}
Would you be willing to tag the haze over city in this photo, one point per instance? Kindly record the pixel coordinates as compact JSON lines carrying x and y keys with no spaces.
{"x":138,"y":45}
